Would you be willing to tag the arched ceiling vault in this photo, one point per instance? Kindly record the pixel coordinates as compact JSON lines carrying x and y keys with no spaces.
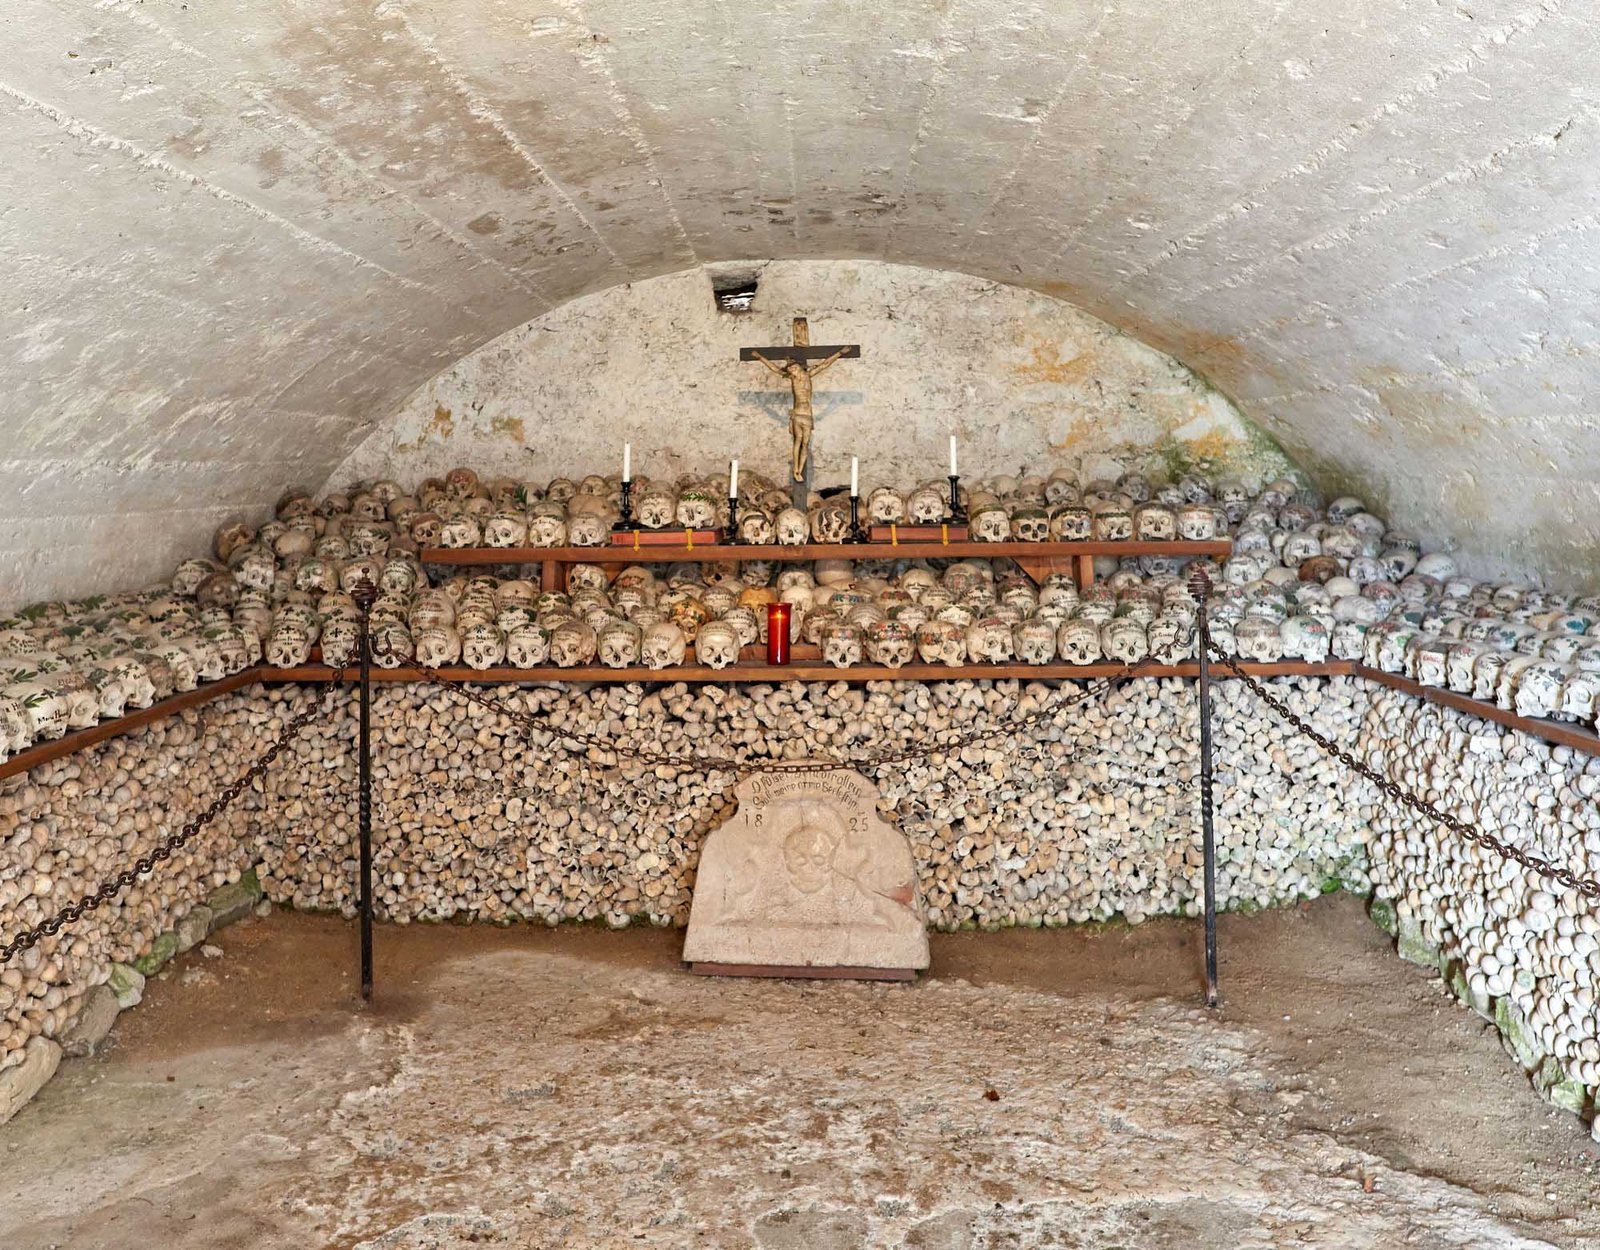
{"x":235,"y":236}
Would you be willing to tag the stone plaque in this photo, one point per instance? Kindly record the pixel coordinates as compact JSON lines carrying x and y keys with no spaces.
{"x":805,"y":879}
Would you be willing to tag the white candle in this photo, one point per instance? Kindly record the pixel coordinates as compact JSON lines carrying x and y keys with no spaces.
{"x":627,"y":462}
{"x":855,"y":477}
{"x":733,"y":480}
{"x":952,"y":455}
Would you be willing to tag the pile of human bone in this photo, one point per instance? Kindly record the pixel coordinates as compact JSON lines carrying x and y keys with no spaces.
{"x":1304,"y":581}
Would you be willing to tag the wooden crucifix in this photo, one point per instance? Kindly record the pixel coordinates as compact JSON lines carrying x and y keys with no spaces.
{"x":799,"y":373}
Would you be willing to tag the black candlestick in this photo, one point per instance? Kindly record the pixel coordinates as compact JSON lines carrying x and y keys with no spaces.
{"x":958,"y":514}
{"x":625,"y":521}
{"x":733,"y":520}
{"x":857,"y":534}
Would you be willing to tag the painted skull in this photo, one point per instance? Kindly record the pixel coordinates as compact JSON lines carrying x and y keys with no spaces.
{"x":44,"y":710}
{"x":890,"y":642}
{"x":289,"y":644}
{"x":425,"y":529}
{"x":663,"y":646}
{"x":1305,"y":638}
{"x":1113,"y":524}
{"x":989,"y":640}
{"x":619,"y":644}
{"x":1078,"y":641}
{"x":830,"y":524}
{"x":716,"y":644}
{"x":461,"y":531}
{"x":1034,"y":641}
{"x":587,"y":530}
{"x":1071,"y":523}
{"x":941,"y":642}
{"x":482,"y":646}
{"x":572,"y":643}
{"x":990,"y":523}
{"x":546,"y":530}
{"x":1538,"y":688}
{"x":1124,"y":639}
{"x":1258,"y":638}
{"x":755,"y":528}
{"x":1030,"y":525}
{"x":1196,"y":523}
{"x":438,"y":645}
{"x":1172,"y":639}
{"x":841,"y":644}
{"x":1579,"y":695}
{"x":527,"y":646}
{"x":340,"y":640}
{"x":696,"y":510}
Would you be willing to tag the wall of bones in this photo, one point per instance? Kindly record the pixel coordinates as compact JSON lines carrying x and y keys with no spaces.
{"x":1087,"y":816}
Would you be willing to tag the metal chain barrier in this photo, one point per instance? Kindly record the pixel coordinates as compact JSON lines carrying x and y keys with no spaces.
{"x":1587,"y":886}
{"x":173,"y":842}
{"x":744,"y":768}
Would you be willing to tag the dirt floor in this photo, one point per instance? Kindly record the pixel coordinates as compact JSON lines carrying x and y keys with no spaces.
{"x":574,"y":1088}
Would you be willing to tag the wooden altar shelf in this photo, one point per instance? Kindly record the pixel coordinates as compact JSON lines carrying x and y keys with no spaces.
{"x":1562,"y":733}
{"x":811,"y":670}
{"x":1035,"y":559}
{"x":79,"y":739}
{"x":1558,"y":732}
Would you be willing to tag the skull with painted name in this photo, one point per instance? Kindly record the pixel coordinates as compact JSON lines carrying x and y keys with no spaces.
{"x":461,"y":531}
{"x":1538,"y":688}
{"x":547,"y":526}
{"x":663,"y":645}
{"x":1258,"y":638}
{"x":1034,"y":641}
{"x":1154,"y":523}
{"x":1579,"y":695}
{"x":989,"y":641}
{"x":716,"y":644}
{"x":482,"y":645}
{"x":438,"y":645}
{"x":619,"y":644}
{"x":527,"y":645}
{"x":1305,"y":638}
{"x":990,"y":523}
{"x":572,"y":643}
{"x":1125,"y":640}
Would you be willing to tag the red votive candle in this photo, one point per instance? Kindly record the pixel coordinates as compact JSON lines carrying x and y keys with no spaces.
{"x":778,"y":633}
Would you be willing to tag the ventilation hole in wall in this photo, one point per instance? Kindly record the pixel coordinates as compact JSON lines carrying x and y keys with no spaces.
{"x":734,"y":294}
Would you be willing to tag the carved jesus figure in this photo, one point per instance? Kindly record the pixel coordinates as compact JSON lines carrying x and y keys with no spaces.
{"x":801,"y":421}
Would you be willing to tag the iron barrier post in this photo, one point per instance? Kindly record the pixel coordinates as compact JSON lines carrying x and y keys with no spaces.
{"x":1200,"y":588}
{"x":365,"y":594}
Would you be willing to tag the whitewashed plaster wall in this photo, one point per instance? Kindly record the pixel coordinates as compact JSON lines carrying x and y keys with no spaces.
{"x":1023,"y":381}
{"x":235,"y":237}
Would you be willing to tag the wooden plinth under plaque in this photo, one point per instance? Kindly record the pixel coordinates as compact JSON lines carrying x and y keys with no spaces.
{"x":665,"y":538}
{"x":806,"y":880}
{"x":894,"y":535}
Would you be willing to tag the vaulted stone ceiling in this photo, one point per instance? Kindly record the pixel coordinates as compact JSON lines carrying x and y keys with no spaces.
{"x":235,"y":236}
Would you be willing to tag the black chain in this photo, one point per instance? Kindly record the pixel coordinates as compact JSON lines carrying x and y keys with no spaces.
{"x":743,"y":768}
{"x":169,"y":845}
{"x":1586,"y":886}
